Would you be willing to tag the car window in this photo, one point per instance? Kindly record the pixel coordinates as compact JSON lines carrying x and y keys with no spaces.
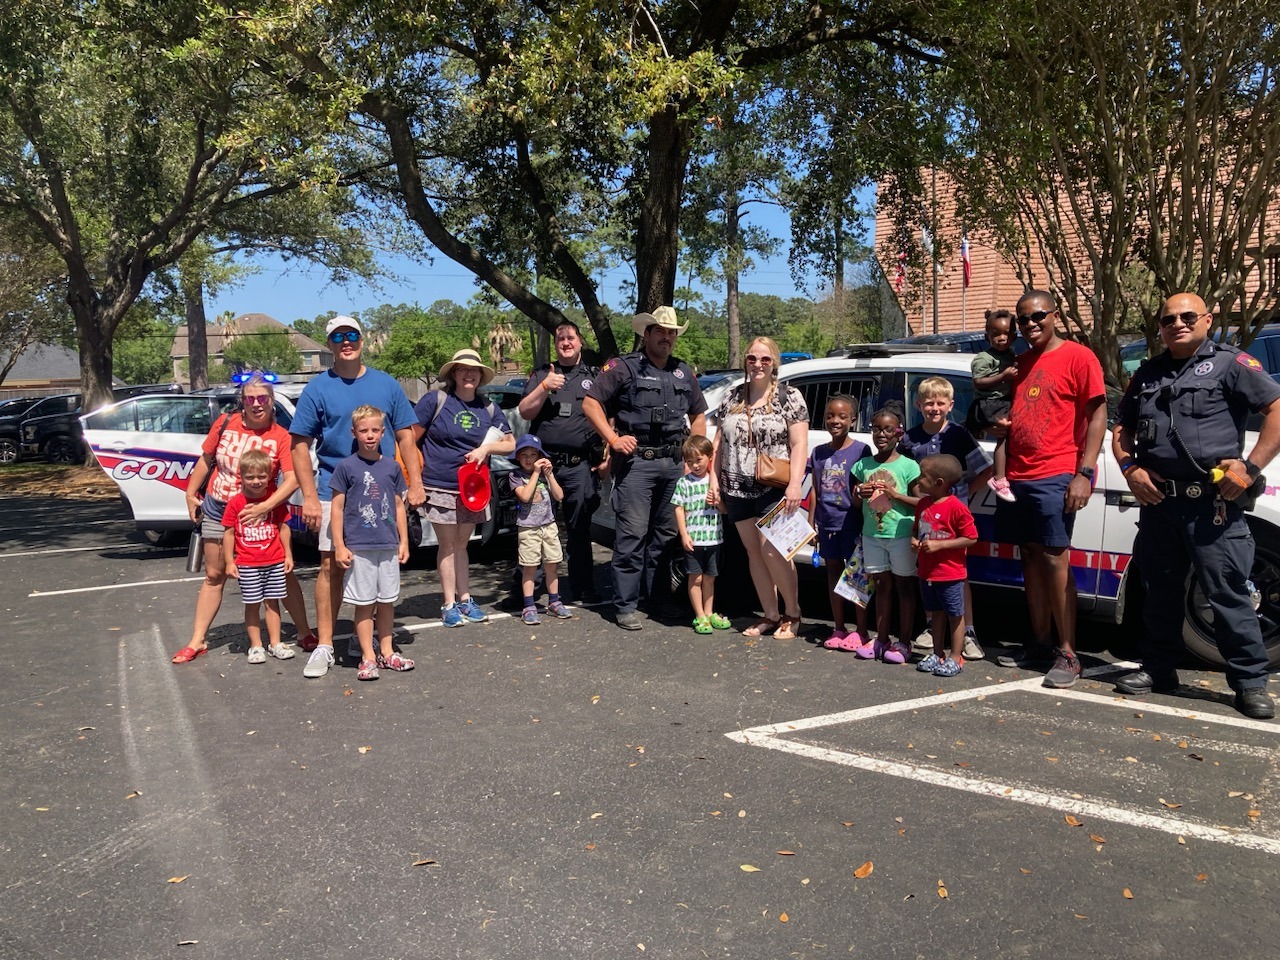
{"x":52,"y":405}
{"x":963,"y":386}
{"x":174,"y":415}
{"x":112,"y":418}
{"x":818,"y":389}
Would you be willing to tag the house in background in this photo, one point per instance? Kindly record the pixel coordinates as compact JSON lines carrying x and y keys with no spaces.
{"x":315,"y":356}
{"x":44,"y":369}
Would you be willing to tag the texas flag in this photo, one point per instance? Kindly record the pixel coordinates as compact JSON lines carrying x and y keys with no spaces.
{"x":965,"y":265}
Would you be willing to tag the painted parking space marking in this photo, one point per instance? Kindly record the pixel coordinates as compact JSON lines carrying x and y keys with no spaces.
{"x":110,"y":586}
{"x":779,"y":736}
{"x":59,"y":526}
{"x":44,"y":553}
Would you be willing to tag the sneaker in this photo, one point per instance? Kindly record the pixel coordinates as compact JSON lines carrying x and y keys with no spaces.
{"x":281,"y":652}
{"x":395,"y":662}
{"x":559,"y":610}
{"x":1029,"y":657}
{"x":929,"y":663}
{"x":870,"y":650}
{"x":530,"y":616}
{"x":368,"y":670}
{"x":971,"y":649}
{"x":256,"y":655}
{"x":309,"y":642}
{"x":452,"y":616}
{"x":471,"y":610}
{"x":897,"y":652}
{"x":1000,"y":487}
{"x":948,"y":668}
{"x":318,"y":663}
{"x":923,"y":643}
{"x":1065,"y":671}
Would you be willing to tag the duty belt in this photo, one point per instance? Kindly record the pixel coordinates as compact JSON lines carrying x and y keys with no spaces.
{"x":657,"y":453}
{"x":1188,"y":489}
{"x":565,"y":459}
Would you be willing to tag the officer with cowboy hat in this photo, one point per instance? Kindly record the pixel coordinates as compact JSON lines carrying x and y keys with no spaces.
{"x":654,"y":401}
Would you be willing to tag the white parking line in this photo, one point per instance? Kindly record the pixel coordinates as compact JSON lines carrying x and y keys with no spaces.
{"x":772,"y":737}
{"x":110,"y":586}
{"x":58,"y":526}
{"x":41,"y":553}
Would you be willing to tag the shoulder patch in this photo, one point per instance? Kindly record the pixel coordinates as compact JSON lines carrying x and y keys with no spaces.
{"x":1247,"y":360}
{"x":609,"y":365}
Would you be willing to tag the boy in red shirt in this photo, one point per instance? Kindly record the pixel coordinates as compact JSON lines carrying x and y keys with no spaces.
{"x":258,"y":552}
{"x":942,"y":535}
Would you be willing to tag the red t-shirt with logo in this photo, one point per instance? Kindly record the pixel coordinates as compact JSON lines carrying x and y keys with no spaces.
{"x":258,"y":544}
{"x":235,"y":440}
{"x":945,"y":519}
{"x":1048,"y":422}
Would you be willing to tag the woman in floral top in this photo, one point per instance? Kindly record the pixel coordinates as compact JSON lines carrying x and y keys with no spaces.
{"x":762,"y":417}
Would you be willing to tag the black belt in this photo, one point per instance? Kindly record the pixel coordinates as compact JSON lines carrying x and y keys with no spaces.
{"x":657,"y":453}
{"x":1187,"y":489}
{"x":565,"y":459}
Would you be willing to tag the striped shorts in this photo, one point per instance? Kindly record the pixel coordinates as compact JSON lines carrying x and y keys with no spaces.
{"x":262,"y":583}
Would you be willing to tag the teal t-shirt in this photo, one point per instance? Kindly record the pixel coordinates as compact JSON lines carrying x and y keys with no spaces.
{"x":898,"y":473}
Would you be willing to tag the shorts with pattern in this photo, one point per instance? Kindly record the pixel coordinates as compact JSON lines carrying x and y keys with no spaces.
{"x":537,"y":545}
{"x":262,"y":583}
{"x":373,"y":577}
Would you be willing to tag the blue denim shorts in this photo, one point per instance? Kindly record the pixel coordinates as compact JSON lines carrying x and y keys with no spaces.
{"x":1039,"y":515}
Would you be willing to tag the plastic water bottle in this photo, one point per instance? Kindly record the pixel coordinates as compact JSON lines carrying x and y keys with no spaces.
{"x":816,"y":558}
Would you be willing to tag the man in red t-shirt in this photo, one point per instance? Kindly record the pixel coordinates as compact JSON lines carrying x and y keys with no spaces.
{"x":1055,"y":432}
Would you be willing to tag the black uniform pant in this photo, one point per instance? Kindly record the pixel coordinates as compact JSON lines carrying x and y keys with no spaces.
{"x":644,"y":525}
{"x":1179,"y":533}
{"x":581,"y":500}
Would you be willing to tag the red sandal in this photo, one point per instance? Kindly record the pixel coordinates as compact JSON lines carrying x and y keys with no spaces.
{"x":187,"y":654}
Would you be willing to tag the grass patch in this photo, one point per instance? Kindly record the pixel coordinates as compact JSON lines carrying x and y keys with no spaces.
{"x":53,"y":480}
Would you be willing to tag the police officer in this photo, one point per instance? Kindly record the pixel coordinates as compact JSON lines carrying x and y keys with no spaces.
{"x":552,"y":403}
{"x":655,"y":402}
{"x":1183,"y":417}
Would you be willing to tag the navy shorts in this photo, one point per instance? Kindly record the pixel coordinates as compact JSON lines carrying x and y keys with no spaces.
{"x":704,"y":560}
{"x":946,"y":596}
{"x":752,"y":508}
{"x":1039,"y":515}
{"x":837,"y":546}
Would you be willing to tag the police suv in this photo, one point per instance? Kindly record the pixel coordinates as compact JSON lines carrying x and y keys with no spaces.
{"x":1102,"y":558}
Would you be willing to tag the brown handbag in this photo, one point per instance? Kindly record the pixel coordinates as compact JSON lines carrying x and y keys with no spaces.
{"x":770,"y":471}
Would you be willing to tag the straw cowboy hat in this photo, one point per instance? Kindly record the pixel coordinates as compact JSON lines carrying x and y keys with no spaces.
{"x":467,"y":358}
{"x":664,"y":317}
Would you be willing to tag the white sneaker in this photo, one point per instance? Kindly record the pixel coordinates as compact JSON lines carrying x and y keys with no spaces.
{"x":319,"y":663}
{"x":923,"y":643}
{"x":256,"y":655}
{"x":281,"y":652}
{"x":971,"y":649}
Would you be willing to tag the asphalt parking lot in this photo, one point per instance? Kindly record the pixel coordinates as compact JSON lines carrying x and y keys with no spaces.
{"x":573,"y":790}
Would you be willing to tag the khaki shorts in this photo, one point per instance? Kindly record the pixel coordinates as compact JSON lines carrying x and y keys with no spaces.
{"x":537,"y":545}
{"x":444,"y":507}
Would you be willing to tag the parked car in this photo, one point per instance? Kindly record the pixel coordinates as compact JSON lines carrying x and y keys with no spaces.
{"x":11,"y":424}
{"x":1103,"y":561}
{"x":57,"y":436}
{"x":11,"y":413}
{"x":970,"y":341}
{"x":149,"y":445}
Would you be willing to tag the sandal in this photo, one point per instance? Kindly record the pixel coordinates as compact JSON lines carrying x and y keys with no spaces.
{"x":187,"y":654}
{"x":702,"y":625}
{"x":718,"y":622}
{"x":788,"y":628}
{"x":761,"y":628}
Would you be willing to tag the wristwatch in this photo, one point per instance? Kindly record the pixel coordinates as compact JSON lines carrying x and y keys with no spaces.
{"x":1086,"y":472}
{"x":1252,"y":469}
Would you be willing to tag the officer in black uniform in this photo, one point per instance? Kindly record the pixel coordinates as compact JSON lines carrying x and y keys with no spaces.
{"x":655,"y":402}
{"x":1180,"y":422}
{"x":552,"y":403}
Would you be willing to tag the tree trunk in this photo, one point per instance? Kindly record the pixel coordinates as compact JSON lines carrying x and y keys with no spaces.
{"x":732,"y":232}
{"x":658,"y":235}
{"x":197,"y":334}
{"x":837,"y":263}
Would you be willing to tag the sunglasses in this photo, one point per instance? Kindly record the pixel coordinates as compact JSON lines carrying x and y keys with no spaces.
{"x":350,"y":336}
{"x":1038,"y":317}
{"x":763,"y":361}
{"x":257,"y":401}
{"x":1189,"y":318}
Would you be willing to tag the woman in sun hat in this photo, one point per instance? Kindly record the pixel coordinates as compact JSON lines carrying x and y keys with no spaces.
{"x":457,"y":426}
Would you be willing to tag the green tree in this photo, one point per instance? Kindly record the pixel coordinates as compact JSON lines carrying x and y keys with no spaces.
{"x":269,"y":350}
{"x":32,"y":311}
{"x":422,"y":341}
{"x":142,"y":345}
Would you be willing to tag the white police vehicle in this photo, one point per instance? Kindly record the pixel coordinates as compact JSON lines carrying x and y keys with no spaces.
{"x":1102,"y":558}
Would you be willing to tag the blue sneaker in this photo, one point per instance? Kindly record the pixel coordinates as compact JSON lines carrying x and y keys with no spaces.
{"x":530,"y":616}
{"x":471,"y":610}
{"x":452,"y":616}
{"x":559,"y":611}
{"x":929,"y":663}
{"x":947,"y":668}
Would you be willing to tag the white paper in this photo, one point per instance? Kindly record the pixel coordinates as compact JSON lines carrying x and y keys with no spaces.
{"x":788,"y":532}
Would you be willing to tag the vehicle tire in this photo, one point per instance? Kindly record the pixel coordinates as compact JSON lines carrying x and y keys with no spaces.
{"x":1197,"y":629}
{"x":64,"y":450}
{"x":8,"y":450}
{"x":166,"y":539}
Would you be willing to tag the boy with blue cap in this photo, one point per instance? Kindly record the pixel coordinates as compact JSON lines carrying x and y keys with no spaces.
{"x":537,"y":537}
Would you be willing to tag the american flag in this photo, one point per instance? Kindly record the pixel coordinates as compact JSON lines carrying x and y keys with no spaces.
{"x":965,"y":265}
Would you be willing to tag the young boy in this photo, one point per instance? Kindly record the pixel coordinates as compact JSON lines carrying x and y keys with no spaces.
{"x":370,"y":540}
{"x":700,"y":534}
{"x":936,"y":434}
{"x":993,"y":372}
{"x":258,"y":553}
{"x":942,"y":535}
{"x":537,"y":537}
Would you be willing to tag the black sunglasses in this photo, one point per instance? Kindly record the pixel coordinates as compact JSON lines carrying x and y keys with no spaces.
{"x":350,"y":336}
{"x":1189,"y":318}
{"x":1037,"y":317}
